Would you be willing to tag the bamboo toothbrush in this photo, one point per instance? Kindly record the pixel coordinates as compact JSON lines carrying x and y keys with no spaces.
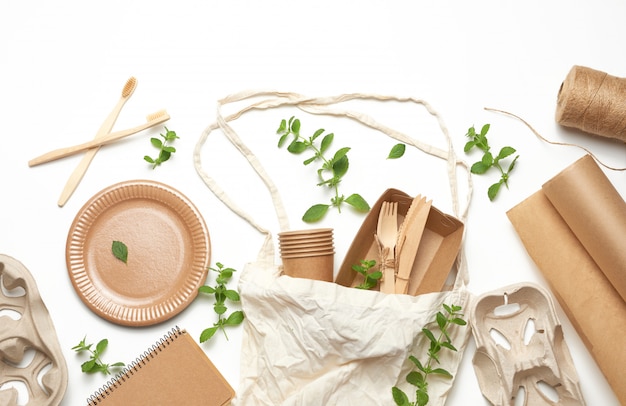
{"x":152,"y":120}
{"x":105,"y":128}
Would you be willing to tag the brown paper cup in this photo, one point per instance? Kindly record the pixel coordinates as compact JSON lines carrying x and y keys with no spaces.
{"x":308,"y":253}
{"x":304,"y":234}
{"x":318,"y":267}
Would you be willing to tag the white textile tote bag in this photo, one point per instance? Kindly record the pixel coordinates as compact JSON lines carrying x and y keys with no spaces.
{"x":309,"y":342}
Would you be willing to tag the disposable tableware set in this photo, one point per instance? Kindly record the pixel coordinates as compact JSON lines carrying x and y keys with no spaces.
{"x":305,"y":325}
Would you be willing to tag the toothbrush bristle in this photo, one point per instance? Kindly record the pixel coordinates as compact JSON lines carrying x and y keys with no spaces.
{"x":129,"y":87}
{"x":157,"y":115}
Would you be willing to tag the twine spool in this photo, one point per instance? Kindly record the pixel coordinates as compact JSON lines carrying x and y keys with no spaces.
{"x":594,"y":102}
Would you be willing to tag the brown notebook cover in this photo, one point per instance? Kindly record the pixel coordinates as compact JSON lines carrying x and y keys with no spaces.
{"x":175,"y":371}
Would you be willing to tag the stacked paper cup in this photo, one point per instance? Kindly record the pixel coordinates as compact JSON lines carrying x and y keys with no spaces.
{"x":308,"y":253}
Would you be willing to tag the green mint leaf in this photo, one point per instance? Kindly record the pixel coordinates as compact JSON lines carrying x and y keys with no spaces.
{"x":492,"y":192}
{"x":235,"y":318}
{"x":101,"y":346}
{"x":415,"y":378}
{"x":397,"y":151}
{"x":442,"y":372}
{"x":148,"y":159}
{"x":505,"y":151}
{"x":487,"y":159}
{"x":340,"y":166}
{"x":88,"y":366}
{"x":315,"y":213}
{"x":295,"y":126}
{"x":232,"y":295}
{"x":458,"y":321}
{"x":415,"y":361}
{"x":422,"y":398}
{"x":317,"y":134}
{"x":297,"y":147}
{"x":226,"y":273}
{"x":207,"y":334}
{"x":206,"y":289}
{"x":341,"y":153}
{"x":441,"y":320}
{"x":399,"y":397}
{"x":355,"y":200}
{"x":163,"y":156}
{"x":479,"y":168}
{"x":120,"y":251}
{"x":512,"y":165}
{"x":310,"y":160}
{"x":326,"y":141}
{"x":219,"y":308}
{"x":484,"y":130}
{"x":282,"y":139}
{"x":448,"y":345}
{"x":469,"y":145}
{"x":156,"y":142}
{"x":282,"y":127}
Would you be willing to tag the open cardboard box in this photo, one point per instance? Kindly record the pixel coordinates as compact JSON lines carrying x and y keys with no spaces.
{"x":438,"y":247}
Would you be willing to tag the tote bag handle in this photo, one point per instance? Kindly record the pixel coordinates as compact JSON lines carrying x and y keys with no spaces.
{"x":326,"y":106}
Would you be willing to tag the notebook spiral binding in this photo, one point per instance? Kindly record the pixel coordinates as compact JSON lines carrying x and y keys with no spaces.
{"x":135,"y":366}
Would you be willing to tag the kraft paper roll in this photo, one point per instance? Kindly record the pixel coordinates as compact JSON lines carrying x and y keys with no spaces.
{"x":574,"y":229}
{"x":594,"y":102}
{"x":596,"y":213}
{"x":593,"y":306}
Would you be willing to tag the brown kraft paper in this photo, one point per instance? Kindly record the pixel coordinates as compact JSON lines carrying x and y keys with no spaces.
{"x":592,"y":303}
{"x":596,"y":214}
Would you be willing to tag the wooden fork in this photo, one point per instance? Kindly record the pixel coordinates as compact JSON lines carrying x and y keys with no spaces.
{"x":386,"y":234}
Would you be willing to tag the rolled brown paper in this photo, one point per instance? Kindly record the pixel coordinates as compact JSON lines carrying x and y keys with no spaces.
{"x":594,"y":102}
{"x":596,"y":213}
{"x":591,"y":303}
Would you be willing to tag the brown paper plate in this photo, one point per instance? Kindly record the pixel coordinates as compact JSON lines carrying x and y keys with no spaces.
{"x":168,"y":253}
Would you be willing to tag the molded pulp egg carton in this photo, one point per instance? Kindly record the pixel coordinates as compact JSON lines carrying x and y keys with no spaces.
{"x":29,"y":330}
{"x":520,"y":344}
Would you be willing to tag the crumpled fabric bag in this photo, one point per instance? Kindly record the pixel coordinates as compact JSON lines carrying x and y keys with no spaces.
{"x":309,"y":342}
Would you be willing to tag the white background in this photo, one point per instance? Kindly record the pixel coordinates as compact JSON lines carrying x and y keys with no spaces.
{"x":63,"y":65}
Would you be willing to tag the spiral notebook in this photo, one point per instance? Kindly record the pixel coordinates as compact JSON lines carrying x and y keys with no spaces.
{"x":174,"y":371}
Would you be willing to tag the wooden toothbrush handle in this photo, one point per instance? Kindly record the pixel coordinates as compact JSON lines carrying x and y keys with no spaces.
{"x":64,"y":152}
{"x":77,"y":176}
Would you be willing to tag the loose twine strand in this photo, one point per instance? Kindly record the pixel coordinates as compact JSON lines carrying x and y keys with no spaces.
{"x":591,"y":101}
{"x":555,"y":142}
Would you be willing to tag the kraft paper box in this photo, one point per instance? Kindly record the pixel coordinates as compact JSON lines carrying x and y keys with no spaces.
{"x":574,"y":229}
{"x":437,"y":252}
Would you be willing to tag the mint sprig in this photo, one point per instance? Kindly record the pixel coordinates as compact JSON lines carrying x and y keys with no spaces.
{"x":95,"y":363}
{"x":164,"y":146}
{"x":419,"y":376}
{"x":221,"y":293}
{"x":332,"y":169}
{"x":479,"y":140}
{"x":370,"y":279}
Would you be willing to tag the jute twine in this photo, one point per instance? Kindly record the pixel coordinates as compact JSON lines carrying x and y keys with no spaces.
{"x":542,"y":138}
{"x":594,"y":102}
